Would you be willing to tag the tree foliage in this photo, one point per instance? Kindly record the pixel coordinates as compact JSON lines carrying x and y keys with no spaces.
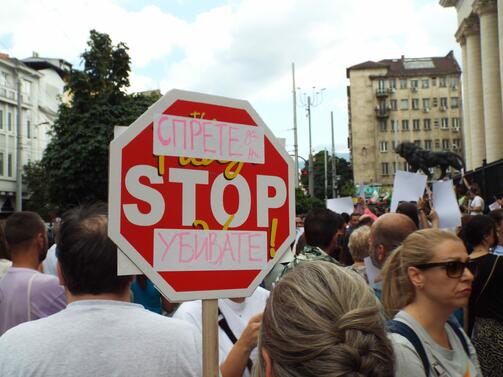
{"x":344,"y":175}
{"x":304,"y":203}
{"x":75,"y":164}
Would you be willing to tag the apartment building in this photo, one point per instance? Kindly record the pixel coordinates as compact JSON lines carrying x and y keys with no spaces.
{"x":396,"y":100}
{"x":38,"y":83}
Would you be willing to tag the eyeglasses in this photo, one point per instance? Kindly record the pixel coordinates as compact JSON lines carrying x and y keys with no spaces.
{"x":454,"y":269}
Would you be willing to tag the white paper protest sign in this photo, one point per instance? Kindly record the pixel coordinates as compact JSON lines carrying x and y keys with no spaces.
{"x":206,"y":250}
{"x":204,"y":138}
{"x":341,"y":205}
{"x":407,"y":187}
{"x":446,"y":205}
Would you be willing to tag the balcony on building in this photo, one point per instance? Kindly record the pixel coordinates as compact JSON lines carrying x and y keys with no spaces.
{"x":382,"y":92}
{"x":382,"y":112}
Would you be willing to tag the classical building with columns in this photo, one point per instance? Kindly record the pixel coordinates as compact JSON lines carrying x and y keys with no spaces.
{"x":403,"y":99}
{"x":480,"y":34}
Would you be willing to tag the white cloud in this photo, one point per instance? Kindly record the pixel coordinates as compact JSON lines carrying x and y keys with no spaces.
{"x":243,"y":48}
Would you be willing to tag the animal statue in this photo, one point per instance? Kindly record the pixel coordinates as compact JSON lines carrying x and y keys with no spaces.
{"x":418,"y":158}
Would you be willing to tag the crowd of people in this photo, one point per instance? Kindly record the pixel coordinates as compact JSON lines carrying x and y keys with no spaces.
{"x":362,"y":296}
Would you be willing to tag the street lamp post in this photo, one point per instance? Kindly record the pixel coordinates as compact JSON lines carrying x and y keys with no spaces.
{"x":19,"y":146}
{"x":334,"y":159}
{"x":312,"y":101}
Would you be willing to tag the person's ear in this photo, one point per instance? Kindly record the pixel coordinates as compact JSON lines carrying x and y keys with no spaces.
{"x":60,"y":274}
{"x":416,"y":276}
{"x":267,"y":363}
{"x":40,"y":240}
{"x":381,"y":254}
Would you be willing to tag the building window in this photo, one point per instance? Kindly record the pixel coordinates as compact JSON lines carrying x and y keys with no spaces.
{"x":392,"y":83}
{"x":425,"y":83}
{"x":403,"y":83}
{"x":415,"y":103}
{"x":4,"y":78}
{"x":9,"y":121}
{"x":442,"y":82}
{"x":434,"y":81}
{"x":28,"y":129}
{"x":414,"y":83}
{"x":418,"y":143}
{"x":381,"y":84}
{"x":393,"y":144}
{"x":415,"y":124}
{"x":1,"y":119}
{"x":426,"y":103}
{"x":456,"y":144}
{"x":394,"y":167}
{"x":9,"y":165}
{"x":445,"y":124}
{"x":26,"y":87}
{"x":456,"y":123}
{"x":393,"y":104}
{"x":405,"y":124}
{"x":394,"y":125}
{"x":435,"y":102}
{"x":383,"y":125}
{"x":454,"y":102}
{"x":443,"y":102}
{"x":436,"y":122}
{"x":385,"y":168}
{"x":1,"y":163}
{"x":437,"y":143}
{"x":427,"y":145}
{"x":383,"y":146}
{"x":427,"y":124}
{"x":454,"y":83}
{"x":404,"y":104}
{"x":445,"y":144}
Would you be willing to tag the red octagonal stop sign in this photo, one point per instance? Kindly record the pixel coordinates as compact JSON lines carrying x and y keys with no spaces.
{"x":201,"y":196}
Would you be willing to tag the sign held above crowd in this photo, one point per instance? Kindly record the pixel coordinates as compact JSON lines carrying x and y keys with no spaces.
{"x":201,"y":196}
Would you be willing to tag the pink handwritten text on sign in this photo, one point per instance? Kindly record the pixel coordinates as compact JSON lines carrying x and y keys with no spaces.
{"x":204,"y":250}
{"x":211,"y":139}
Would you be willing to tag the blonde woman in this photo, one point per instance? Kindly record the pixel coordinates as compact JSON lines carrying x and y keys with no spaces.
{"x":359,"y":249}
{"x":323,"y":320}
{"x":425,"y":280}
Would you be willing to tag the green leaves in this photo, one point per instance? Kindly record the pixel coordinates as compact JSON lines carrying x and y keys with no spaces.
{"x":74,"y":168}
{"x":344,"y":171}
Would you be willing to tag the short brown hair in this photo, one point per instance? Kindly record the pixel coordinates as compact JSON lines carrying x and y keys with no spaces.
{"x":21,"y":228}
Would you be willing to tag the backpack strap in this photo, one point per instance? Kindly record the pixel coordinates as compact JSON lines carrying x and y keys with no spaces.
{"x":30,"y":282}
{"x":222,"y":322}
{"x":459,"y":333}
{"x":398,"y":327}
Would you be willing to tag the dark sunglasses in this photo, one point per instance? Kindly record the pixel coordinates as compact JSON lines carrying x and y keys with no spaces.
{"x":454,"y":269}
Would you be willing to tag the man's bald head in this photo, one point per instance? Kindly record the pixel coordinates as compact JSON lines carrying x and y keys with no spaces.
{"x":386,"y":234}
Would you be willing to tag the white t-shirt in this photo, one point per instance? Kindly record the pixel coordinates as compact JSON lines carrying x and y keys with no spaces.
{"x":237,"y":315}
{"x":50,"y":262}
{"x":453,"y":362}
{"x":102,"y":338}
{"x":477,"y":201}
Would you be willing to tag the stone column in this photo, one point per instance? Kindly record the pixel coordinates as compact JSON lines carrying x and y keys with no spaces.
{"x":491,"y":80}
{"x":466,"y":129}
{"x":476,"y":102}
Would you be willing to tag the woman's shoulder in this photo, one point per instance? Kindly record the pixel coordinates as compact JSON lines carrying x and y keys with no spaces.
{"x":486,"y":264}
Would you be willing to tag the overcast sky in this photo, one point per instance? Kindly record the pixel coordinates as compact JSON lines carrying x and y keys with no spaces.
{"x":241,"y":49}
